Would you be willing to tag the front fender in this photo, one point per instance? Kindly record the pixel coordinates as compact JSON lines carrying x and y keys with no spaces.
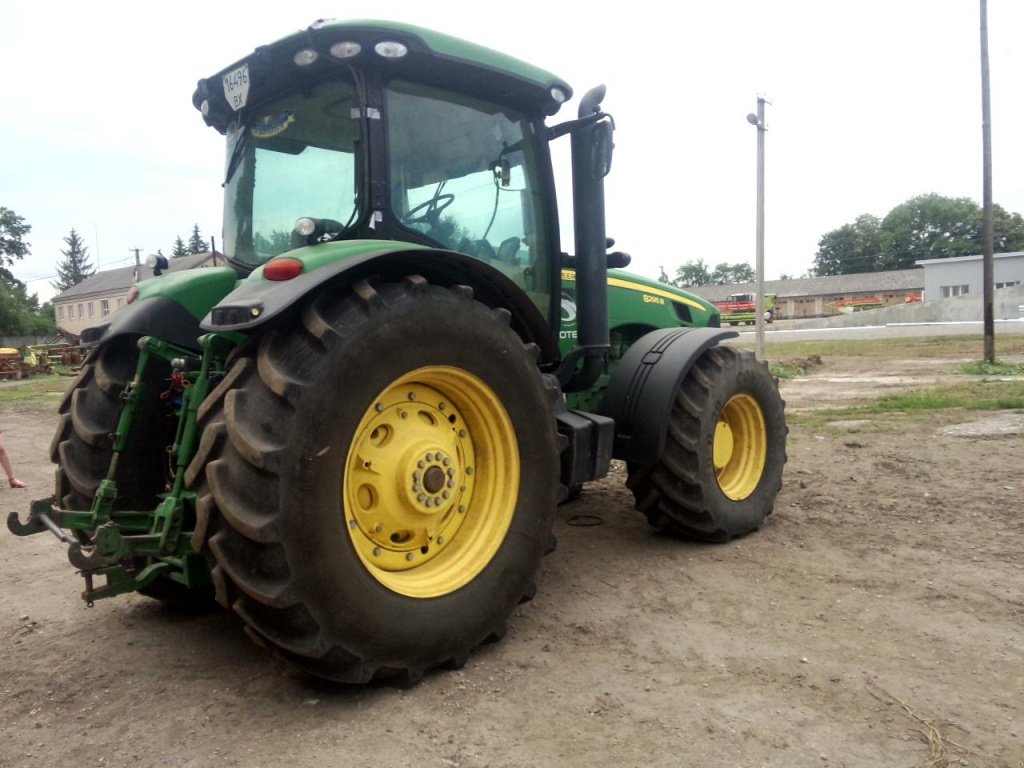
{"x":258,"y":301}
{"x":643,"y":388}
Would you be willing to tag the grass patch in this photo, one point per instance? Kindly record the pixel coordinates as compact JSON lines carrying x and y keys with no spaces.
{"x":984,"y":368}
{"x":37,"y":389}
{"x":786,"y":370}
{"x":1007,"y":345}
{"x":970,"y":396}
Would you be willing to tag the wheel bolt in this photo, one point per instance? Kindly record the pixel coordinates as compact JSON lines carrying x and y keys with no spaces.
{"x":412,"y":395}
{"x":415,"y":487}
{"x":441,"y":407}
{"x":378,"y":528}
{"x":462,"y":508}
{"x":462,"y":433}
{"x":353,"y":524}
{"x":469,"y":470}
{"x":451,"y":473}
{"x":376,"y":551}
{"x":451,"y":483}
{"x":430,"y":457}
{"x":447,"y":495}
{"x":447,"y":462}
{"x":408,"y":555}
{"x":379,"y":407}
{"x":421,"y":463}
{"x":421,"y":498}
{"x":440,"y":540}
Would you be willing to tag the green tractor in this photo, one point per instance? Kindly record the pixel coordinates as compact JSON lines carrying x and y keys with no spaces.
{"x":356,"y":435}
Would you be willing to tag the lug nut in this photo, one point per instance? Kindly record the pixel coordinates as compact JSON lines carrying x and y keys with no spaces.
{"x":408,"y":555}
{"x":376,"y":551}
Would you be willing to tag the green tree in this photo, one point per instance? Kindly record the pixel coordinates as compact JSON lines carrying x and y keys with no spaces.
{"x":179,"y":249}
{"x":728,"y":274}
{"x":924,"y":227}
{"x":852,"y":248}
{"x":929,"y":227}
{"x":75,"y":266}
{"x":196,"y":243}
{"x":1007,"y":231}
{"x":20,"y":313}
{"x":692,"y":275}
{"x":13,"y":247}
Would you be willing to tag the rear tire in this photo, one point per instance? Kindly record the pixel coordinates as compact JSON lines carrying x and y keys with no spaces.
{"x":83,"y":445}
{"x":724,"y":454}
{"x":376,"y":483}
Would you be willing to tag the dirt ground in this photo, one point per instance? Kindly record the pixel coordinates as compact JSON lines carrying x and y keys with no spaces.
{"x":877,"y":619}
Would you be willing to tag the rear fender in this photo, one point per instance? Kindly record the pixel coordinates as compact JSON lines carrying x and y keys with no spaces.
{"x":257,"y":302}
{"x":168,"y":307}
{"x":644,"y":384}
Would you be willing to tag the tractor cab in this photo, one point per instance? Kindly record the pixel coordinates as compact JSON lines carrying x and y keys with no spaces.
{"x":379,"y":131}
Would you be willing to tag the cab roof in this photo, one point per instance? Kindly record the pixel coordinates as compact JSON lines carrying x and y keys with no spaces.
{"x":430,"y":56}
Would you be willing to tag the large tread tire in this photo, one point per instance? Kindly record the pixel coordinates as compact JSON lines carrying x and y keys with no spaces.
{"x":270,"y":475}
{"x":82,"y":446}
{"x":684,"y":492}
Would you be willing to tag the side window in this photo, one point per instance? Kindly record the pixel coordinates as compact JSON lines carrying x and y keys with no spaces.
{"x":464,"y":173}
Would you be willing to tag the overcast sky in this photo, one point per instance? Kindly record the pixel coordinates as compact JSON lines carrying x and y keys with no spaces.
{"x":872,"y":102}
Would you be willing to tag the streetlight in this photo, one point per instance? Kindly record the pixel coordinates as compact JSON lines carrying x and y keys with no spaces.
{"x":758,"y":122}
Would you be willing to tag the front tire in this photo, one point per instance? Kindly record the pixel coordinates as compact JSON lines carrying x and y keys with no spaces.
{"x":377,"y":483}
{"x":724,"y":454}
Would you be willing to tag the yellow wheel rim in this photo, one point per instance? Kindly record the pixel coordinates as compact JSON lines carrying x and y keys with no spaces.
{"x":431,"y":481}
{"x":740,"y":447}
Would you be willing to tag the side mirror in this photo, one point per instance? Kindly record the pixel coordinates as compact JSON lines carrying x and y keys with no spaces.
{"x":602,"y":149}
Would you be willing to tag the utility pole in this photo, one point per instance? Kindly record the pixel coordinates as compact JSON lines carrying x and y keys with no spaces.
{"x":138,"y":264}
{"x":758,"y":121}
{"x":987,"y":271}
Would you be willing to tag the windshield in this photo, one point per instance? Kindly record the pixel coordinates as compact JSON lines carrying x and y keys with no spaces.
{"x":290,"y":158}
{"x":466,"y":174}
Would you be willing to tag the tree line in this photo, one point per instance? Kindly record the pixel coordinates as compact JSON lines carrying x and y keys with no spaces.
{"x":20,"y":312}
{"x":925,"y":227}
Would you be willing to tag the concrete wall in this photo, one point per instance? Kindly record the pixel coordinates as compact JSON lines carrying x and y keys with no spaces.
{"x":1005,"y":304}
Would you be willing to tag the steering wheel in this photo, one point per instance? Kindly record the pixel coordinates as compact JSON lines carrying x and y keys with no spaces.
{"x":428,"y":211}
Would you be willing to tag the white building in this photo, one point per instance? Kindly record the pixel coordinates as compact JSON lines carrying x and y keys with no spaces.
{"x":962,"y":275}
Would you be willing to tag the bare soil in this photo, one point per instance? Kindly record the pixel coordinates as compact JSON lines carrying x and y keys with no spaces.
{"x":876,"y":619}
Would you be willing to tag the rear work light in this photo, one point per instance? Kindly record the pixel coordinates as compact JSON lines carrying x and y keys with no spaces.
{"x":283,"y":269}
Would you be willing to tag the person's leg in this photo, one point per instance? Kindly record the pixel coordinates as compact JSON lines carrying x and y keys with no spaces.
{"x":5,"y":462}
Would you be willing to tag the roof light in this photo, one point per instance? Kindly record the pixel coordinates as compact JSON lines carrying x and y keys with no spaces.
{"x":391,"y":49}
{"x":284,"y":268}
{"x":559,"y":95}
{"x":305,"y":57}
{"x":205,"y":107}
{"x":346,"y":49}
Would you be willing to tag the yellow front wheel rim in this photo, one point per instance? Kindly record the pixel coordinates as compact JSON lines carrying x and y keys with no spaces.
{"x":740,"y":448}
{"x":431,"y":481}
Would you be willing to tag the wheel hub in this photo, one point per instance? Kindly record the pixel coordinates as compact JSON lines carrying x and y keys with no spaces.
{"x":410,"y":474}
{"x":431,"y":481}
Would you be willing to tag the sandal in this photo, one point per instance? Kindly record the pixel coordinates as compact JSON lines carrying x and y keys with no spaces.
{"x":16,"y":483}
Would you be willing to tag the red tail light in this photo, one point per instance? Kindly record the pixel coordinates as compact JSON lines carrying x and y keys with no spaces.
{"x":282,"y":269}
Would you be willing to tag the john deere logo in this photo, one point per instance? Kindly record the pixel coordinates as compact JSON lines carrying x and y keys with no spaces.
{"x":568,"y":309}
